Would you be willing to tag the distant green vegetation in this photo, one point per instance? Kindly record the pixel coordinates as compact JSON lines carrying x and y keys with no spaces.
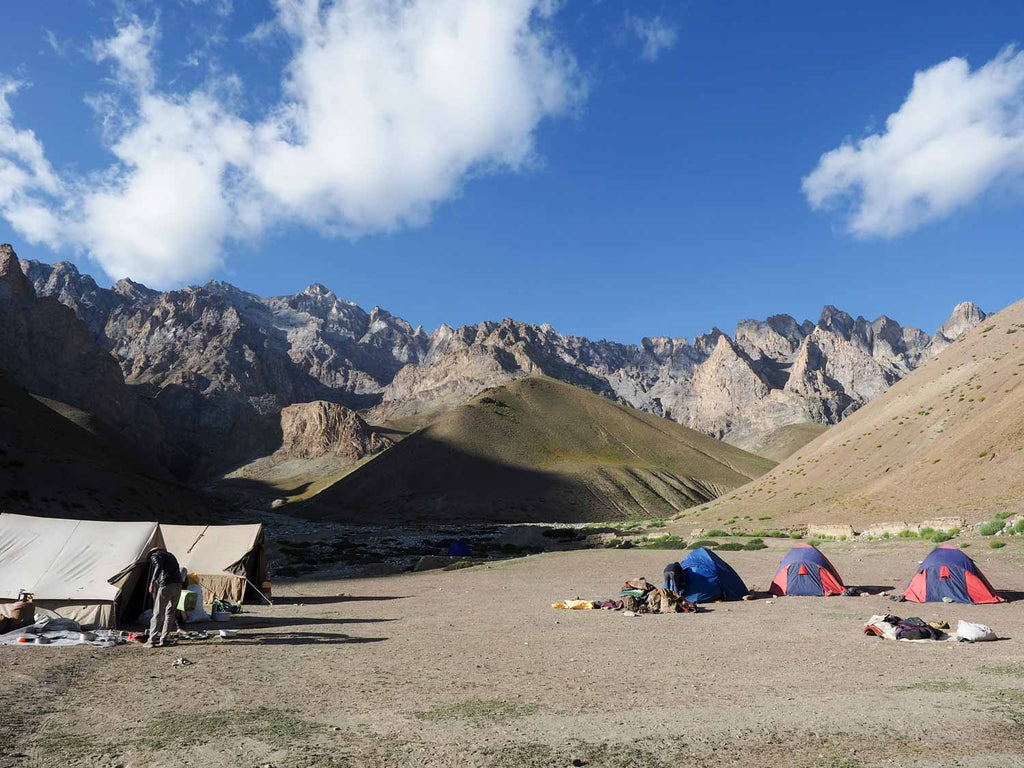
{"x":665,"y":542}
{"x":705,"y":543}
{"x":991,"y":528}
{"x":1016,"y":670}
{"x":997,"y":544}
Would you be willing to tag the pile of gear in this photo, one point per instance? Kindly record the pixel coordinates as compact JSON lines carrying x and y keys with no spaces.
{"x":636,"y":596}
{"x":915,"y":629}
{"x":640,"y":596}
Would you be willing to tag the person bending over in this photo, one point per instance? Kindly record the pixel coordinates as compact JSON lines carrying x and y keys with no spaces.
{"x":165,"y":585}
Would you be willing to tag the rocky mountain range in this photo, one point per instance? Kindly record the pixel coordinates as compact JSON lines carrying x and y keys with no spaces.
{"x":218,"y":364}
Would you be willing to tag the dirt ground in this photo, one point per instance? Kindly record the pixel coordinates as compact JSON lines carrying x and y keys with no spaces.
{"x":474,"y":668}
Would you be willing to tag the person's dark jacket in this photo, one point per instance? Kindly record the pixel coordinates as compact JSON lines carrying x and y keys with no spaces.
{"x":165,"y":569}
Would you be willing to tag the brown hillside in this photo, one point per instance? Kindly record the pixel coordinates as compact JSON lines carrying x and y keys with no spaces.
{"x":946,"y":440}
{"x":539,"y":450}
{"x":54,"y":467}
{"x":783,"y":442}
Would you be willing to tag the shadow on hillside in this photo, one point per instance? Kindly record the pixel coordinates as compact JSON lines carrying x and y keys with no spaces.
{"x":423,"y":480}
{"x":249,"y":492}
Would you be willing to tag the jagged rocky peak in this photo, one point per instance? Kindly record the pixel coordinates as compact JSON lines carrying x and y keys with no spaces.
{"x":10,"y":270}
{"x":133,"y":291}
{"x":223,"y":357}
{"x":319,"y":289}
{"x":966,"y":315}
{"x":837,"y":321}
{"x":778,"y":336}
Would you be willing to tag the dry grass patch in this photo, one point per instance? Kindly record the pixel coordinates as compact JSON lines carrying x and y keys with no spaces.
{"x":273,"y":726}
{"x":478,"y":711}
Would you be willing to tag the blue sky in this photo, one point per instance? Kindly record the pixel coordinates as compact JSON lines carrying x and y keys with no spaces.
{"x":640,"y":170}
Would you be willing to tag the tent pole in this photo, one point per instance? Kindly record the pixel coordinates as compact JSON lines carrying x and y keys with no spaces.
{"x":269,"y":601}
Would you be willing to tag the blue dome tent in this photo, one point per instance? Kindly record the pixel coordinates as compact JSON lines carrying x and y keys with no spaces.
{"x":708,"y":578}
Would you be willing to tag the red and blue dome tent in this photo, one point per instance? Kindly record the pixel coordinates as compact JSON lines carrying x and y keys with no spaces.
{"x":806,"y":571}
{"x":949,"y":573}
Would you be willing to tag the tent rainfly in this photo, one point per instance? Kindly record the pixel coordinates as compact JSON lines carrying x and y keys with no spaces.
{"x":223,"y":557}
{"x":948,"y":574}
{"x":90,"y":571}
{"x":708,"y":577}
{"x":806,"y":571}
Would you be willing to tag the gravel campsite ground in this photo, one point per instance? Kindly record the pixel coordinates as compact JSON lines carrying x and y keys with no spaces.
{"x":473,"y":668}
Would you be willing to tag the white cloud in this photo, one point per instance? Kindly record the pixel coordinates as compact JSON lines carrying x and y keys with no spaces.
{"x":222,"y":8}
{"x":655,"y":34}
{"x":24,"y":173}
{"x":388,"y":107}
{"x":958,"y":134}
{"x":59,"y":47}
{"x":162,"y":214}
{"x":131,"y":49}
{"x":262,"y":32}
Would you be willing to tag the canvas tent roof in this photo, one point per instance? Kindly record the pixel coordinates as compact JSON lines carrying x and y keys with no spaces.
{"x":69,"y":559}
{"x":212,"y":548}
{"x":222,"y":556}
{"x":76,"y":568}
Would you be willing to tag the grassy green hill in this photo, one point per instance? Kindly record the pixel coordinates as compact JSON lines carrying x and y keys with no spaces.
{"x":539,"y":450}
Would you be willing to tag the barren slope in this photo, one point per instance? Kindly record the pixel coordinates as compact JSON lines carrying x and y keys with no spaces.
{"x":52,"y":466}
{"x":948,"y":439}
{"x":783,"y":442}
{"x":540,"y":450}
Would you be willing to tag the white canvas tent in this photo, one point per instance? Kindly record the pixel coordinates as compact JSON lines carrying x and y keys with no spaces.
{"x":86,"y":570}
{"x":223,"y":557}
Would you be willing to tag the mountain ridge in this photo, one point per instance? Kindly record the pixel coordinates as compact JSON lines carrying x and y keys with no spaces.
{"x":945,"y":441}
{"x":220,"y":363}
